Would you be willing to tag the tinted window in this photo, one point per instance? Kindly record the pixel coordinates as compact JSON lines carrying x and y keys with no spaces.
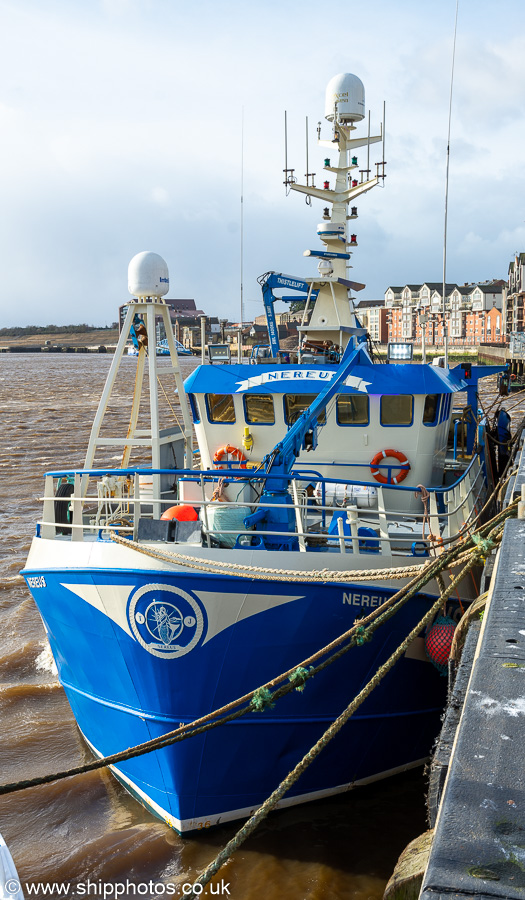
{"x":194,"y":408}
{"x":220,"y":407}
{"x":430,"y":411}
{"x":352,"y":409}
{"x":258,"y":409}
{"x":397,"y":409}
{"x":295,"y":404}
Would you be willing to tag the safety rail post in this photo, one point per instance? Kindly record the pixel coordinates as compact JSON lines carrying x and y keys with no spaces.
{"x":136,"y":505}
{"x":48,"y":530}
{"x":464,"y":492}
{"x":205,"y":508}
{"x":77,"y":531}
{"x":353,"y":520}
{"x":298,"y":517}
{"x":434,"y":516}
{"x":455,"y":516}
{"x":384,"y":545}
{"x":341,"y":532}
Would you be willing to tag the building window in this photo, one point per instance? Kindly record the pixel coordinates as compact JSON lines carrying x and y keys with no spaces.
{"x":220,"y":408}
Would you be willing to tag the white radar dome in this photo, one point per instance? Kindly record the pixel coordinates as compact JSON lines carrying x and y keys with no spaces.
{"x":348,"y":92}
{"x":148,"y":275}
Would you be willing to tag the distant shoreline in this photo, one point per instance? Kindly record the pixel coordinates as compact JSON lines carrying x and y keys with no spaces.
{"x":100,"y":337}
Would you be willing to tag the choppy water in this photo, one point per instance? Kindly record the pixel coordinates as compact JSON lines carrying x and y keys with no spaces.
{"x":88,"y":828}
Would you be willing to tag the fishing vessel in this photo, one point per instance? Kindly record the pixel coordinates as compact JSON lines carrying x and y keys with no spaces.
{"x":162,"y":348}
{"x":170,"y":587}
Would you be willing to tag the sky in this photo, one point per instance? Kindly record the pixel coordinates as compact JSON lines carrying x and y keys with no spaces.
{"x":124,"y":123}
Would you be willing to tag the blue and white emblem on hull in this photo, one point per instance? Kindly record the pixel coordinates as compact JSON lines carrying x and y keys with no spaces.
{"x":165,"y":620}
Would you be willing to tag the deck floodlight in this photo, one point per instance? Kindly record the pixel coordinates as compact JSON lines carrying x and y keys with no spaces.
{"x":219,"y":353}
{"x":400,"y":352}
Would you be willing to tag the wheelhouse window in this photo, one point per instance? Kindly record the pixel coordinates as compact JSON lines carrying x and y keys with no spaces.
{"x":194,"y":408}
{"x":352,"y":409}
{"x":430,"y":412}
{"x":259,"y":409}
{"x":295,"y":404}
{"x":397,"y":409}
{"x":445,"y":407}
{"x":220,"y":408}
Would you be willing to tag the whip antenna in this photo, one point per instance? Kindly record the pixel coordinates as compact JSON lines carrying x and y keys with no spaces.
{"x":445,"y":329}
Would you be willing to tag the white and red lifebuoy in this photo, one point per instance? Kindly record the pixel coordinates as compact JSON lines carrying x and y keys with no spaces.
{"x":387,"y":454}
{"x":229,"y":451}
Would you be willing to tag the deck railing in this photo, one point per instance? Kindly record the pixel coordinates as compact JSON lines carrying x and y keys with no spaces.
{"x":101,"y":501}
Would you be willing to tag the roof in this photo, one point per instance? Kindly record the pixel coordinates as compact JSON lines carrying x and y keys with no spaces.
{"x":186,"y":305}
{"x":364,"y":304}
{"x":310,"y":379}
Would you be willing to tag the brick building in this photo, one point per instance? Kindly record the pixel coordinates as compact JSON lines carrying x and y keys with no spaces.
{"x":473,"y":311}
{"x":515,"y":295}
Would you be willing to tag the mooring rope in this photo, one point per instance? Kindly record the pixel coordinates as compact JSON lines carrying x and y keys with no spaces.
{"x":249,"y":827}
{"x":219,"y":567}
{"x":256,"y":700}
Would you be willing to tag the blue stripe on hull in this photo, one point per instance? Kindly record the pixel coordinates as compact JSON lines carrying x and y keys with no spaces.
{"x":122,"y":693}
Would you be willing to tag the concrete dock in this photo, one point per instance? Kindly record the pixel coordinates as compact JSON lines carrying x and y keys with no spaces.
{"x":477,"y":795}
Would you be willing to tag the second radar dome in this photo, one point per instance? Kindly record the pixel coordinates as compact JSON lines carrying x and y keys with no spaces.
{"x":148,"y":275}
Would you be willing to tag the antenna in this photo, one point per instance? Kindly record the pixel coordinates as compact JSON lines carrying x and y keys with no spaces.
{"x":445,"y":329}
{"x":381,"y":174}
{"x":288,"y":173}
{"x":242,"y":216}
{"x":308,"y":174}
{"x":366,"y":171}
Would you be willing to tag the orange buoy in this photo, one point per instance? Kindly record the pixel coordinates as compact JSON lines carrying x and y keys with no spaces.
{"x":182,"y":513}
{"x":438,"y":642}
{"x":228,"y":450}
{"x":395,"y":454}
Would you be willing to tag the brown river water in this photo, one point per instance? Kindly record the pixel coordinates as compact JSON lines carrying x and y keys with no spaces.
{"x":87,"y":829}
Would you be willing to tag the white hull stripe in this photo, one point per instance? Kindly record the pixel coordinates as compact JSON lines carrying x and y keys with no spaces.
{"x":222,"y":609}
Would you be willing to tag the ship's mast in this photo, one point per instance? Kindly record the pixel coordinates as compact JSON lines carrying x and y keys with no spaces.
{"x":333,"y":317}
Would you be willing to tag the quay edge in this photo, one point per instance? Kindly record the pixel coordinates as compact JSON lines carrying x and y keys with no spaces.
{"x":476,"y":796}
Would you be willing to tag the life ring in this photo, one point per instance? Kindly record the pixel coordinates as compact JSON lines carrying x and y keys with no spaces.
{"x":228,"y":450}
{"x":379,"y":457}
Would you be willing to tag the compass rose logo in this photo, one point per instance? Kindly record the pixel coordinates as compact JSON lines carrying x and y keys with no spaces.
{"x":165,"y":620}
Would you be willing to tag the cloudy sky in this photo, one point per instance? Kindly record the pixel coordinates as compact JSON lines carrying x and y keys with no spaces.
{"x":121,"y":132}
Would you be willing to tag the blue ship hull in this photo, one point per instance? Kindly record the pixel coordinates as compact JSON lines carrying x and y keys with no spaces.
{"x":140,"y":652}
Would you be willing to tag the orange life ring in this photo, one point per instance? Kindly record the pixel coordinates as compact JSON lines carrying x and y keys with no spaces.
{"x":231,"y":451}
{"x":379,"y":457}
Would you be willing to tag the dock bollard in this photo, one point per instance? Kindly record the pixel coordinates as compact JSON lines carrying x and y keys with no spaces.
{"x":521,"y":504}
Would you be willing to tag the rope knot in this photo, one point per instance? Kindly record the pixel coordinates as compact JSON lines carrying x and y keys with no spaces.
{"x":261,"y":700}
{"x":484,"y":545}
{"x":362,"y":635}
{"x":298,"y":678}
{"x":422,"y":493}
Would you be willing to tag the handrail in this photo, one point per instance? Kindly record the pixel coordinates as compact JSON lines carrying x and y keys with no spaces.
{"x":258,"y":475}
